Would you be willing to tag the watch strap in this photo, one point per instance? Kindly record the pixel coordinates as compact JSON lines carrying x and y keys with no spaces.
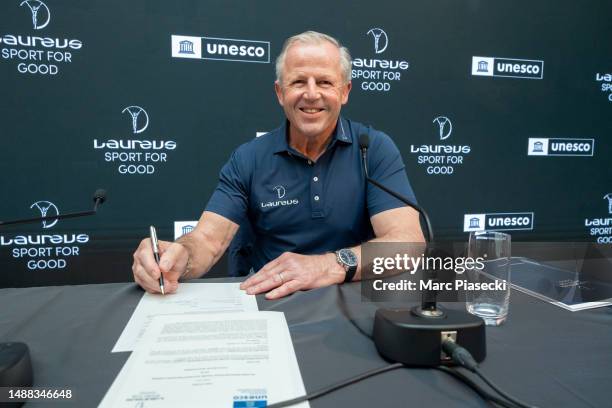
{"x":350,"y":273}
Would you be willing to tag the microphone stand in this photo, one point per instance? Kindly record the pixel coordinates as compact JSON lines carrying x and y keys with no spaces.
{"x":415,"y":336}
{"x":98,"y":198}
{"x":15,"y":361}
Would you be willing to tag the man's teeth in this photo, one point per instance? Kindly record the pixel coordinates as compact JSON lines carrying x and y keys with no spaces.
{"x":311,"y":110}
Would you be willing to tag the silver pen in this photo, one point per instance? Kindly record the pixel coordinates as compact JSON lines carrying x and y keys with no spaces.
{"x":155,"y":246}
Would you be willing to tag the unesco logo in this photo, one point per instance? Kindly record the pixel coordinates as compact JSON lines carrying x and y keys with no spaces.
{"x":47,"y":209}
{"x":507,"y":67}
{"x":538,"y":146}
{"x":498,"y":222}
{"x":183,"y":227}
{"x":40,"y":13}
{"x":222,"y":49}
{"x":380,"y":40}
{"x":135,"y":112}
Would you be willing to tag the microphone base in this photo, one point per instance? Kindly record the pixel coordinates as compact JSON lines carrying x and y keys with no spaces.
{"x":415,"y":339}
{"x":15,"y":368}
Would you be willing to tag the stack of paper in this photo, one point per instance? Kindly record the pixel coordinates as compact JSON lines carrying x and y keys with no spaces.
{"x":224,"y":360}
{"x":190,"y":298}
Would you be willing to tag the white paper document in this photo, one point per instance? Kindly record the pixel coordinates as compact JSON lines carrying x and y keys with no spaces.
{"x":233,"y":360}
{"x":189,"y":298}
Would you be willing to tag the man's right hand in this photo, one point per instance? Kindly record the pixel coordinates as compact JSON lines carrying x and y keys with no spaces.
{"x":172,"y":265}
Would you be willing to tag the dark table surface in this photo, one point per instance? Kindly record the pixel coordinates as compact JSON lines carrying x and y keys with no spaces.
{"x":543,"y":354}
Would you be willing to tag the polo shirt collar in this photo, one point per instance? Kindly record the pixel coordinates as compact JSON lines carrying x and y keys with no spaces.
{"x":341,"y":135}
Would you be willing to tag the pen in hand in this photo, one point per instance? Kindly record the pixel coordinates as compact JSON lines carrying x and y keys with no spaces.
{"x":155,"y":246}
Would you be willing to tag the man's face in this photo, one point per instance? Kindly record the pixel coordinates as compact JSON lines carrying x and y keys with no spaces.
{"x":312,"y":89}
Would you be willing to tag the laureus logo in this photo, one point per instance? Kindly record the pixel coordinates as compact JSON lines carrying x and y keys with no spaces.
{"x":609,"y":198}
{"x":47,"y":209}
{"x":380,"y":39}
{"x":40,"y":13}
{"x":280,"y":193}
{"x":135,"y":112}
{"x":280,"y":190}
{"x":445,"y":126}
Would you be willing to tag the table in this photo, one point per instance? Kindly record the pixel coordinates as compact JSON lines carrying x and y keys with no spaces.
{"x":543,"y":354}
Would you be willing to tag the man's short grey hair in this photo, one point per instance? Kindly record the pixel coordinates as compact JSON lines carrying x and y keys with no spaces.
{"x":313,"y":37}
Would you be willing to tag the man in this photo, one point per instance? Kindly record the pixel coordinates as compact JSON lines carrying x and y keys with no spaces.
{"x":301,"y":187}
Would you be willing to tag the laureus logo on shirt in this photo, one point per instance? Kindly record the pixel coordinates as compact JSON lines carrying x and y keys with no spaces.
{"x":280,"y":192}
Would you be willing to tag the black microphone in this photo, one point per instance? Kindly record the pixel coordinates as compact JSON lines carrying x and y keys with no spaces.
{"x":99,"y":197}
{"x":428,"y":304}
{"x":364,"y":142}
{"x":406,"y":336}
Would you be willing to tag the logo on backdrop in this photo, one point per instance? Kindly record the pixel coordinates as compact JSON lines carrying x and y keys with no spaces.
{"x":380,"y":40}
{"x":538,"y":146}
{"x":40,"y":13}
{"x":34,"y":54}
{"x":375,"y":74}
{"x":601,"y":228}
{"x":135,"y":112}
{"x":47,"y":209}
{"x":280,"y":192}
{"x":441,"y":158}
{"x":606,"y":83}
{"x":136,"y":156}
{"x":223,"y":49}
{"x":498,"y":222}
{"x":183,"y":227}
{"x":507,"y":67}
{"x":45,"y":251}
{"x":445,"y":125}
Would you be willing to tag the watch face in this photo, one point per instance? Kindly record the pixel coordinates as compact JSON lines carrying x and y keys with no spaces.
{"x":348,"y":257}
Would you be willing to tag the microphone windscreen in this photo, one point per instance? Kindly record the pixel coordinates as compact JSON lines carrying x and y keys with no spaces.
{"x":100,"y":194}
{"x":364,"y":141}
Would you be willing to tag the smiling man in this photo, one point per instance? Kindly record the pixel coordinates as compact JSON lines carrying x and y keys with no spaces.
{"x":301,"y":187}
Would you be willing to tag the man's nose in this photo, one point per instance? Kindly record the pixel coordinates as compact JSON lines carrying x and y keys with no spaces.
{"x":312,"y":91}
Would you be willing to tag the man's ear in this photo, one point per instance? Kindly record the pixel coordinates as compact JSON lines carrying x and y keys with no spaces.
{"x":279,"y":92}
{"x":345,"y":92}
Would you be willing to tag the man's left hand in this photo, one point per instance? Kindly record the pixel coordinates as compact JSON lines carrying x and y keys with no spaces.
{"x":292,"y":272}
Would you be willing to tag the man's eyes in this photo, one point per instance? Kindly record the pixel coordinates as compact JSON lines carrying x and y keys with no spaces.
{"x":322,"y":83}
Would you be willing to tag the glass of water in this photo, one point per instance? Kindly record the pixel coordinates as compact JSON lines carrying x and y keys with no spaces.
{"x":488,"y":283}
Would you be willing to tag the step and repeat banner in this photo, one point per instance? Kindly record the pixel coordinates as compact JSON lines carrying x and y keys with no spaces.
{"x":502,"y":112}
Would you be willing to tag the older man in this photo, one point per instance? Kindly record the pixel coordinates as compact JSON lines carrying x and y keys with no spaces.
{"x":301,"y":187}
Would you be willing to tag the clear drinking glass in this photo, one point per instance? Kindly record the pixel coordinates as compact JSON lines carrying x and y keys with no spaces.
{"x":492,"y":300}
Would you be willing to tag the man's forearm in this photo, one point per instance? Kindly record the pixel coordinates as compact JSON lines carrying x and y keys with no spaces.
{"x":202,"y":254}
{"x":393,"y":237}
{"x":206,"y":243}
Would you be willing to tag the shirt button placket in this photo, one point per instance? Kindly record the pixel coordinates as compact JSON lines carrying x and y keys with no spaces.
{"x":316,"y":193}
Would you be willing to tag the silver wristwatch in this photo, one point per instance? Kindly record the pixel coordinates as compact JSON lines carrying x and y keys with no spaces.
{"x":348,"y":260}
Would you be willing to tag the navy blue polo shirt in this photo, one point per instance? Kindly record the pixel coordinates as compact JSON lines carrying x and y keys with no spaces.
{"x":298,"y":205}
